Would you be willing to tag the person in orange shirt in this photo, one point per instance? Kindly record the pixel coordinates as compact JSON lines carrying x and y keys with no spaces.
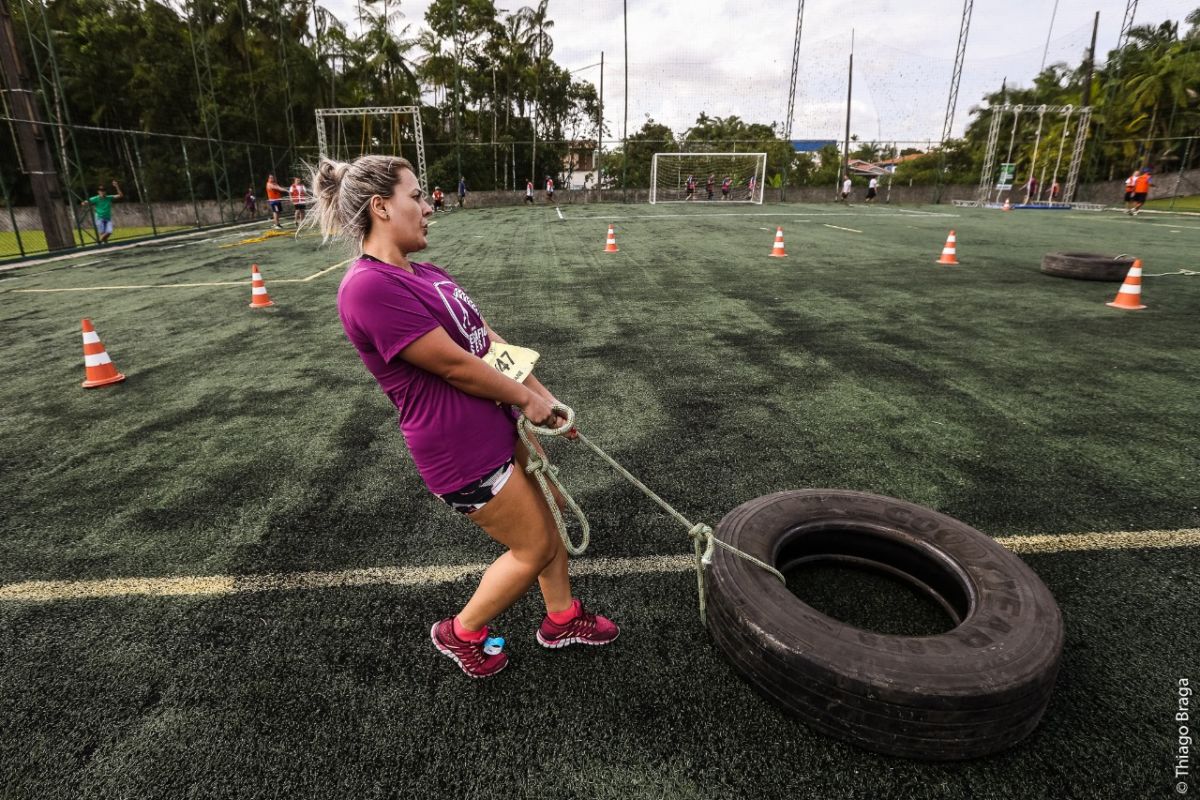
{"x":299,"y":196}
{"x":1141,"y":190}
{"x":275,"y":198}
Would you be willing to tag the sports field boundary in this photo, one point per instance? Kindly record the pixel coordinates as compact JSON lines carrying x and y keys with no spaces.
{"x":223,"y":585}
{"x":312,"y":277}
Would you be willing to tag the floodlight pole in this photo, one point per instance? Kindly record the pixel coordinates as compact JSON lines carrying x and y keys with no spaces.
{"x":849,"y":93}
{"x":964,"y":28}
{"x":625,"y":126}
{"x":600,"y":130}
{"x":791,"y":110}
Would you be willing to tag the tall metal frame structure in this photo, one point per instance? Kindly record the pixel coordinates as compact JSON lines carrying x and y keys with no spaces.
{"x":210,"y":117}
{"x":413,"y":111}
{"x":987,"y":175}
{"x":1127,"y":23}
{"x":960,"y":54}
{"x":791,"y":109}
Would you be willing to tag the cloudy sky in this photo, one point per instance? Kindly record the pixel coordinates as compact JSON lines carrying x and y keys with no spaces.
{"x":734,"y":57}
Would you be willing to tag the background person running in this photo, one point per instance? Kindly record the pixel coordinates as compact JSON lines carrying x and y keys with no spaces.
{"x":422,"y":337}
{"x":274,"y":199}
{"x":846,"y":186}
{"x":1141,"y":190}
{"x":462,"y":190}
{"x":299,"y":197}
{"x":439,"y":199}
{"x":752,"y":184}
{"x":549,"y":189}
{"x":529,"y":191}
{"x":249,"y":204}
{"x":725,"y":187}
{"x":708,"y":186}
{"x":691,"y":188}
{"x":101,"y":204}
{"x":1129,"y":184}
{"x":872,"y":189}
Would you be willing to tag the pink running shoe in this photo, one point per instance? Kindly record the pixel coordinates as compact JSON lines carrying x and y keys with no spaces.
{"x":468,"y":655}
{"x":584,"y":628}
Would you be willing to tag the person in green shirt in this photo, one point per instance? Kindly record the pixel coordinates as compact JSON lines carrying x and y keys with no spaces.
{"x":101,"y":205}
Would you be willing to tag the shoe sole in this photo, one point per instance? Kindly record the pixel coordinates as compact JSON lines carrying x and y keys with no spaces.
{"x":558,"y":644}
{"x":448,"y":653}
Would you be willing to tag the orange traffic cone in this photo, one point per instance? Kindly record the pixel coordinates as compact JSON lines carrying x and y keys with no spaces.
{"x":1129,"y":296}
{"x":611,"y":246}
{"x":1007,"y":205}
{"x":948,"y":252}
{"x":98,"y":367}
{"x":777,"y":251}
{"x":258,"y":290}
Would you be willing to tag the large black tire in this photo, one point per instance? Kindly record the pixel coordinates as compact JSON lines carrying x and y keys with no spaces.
{"x":972,"y":691}
{"x":1087,"y":266}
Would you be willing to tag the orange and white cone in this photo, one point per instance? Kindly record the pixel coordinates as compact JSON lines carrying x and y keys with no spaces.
{"x":777,"y":251}
{"x":1007,"y":205}
{"x":611,"y":245}
{"x":1129,"y":296}
{"x":258,"y":290}
{"x":98,"y":367}
{"x":948,"y":252}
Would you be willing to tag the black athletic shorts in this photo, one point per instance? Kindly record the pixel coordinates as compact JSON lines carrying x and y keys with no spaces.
{"x":476,"y":494}
{"x":870,"y":194}
{"x":1139,"y":197}
{"x":1128,"y":197}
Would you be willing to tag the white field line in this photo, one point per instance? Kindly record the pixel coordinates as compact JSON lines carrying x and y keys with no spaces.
{"x":700,"y":217}
{"x":1110,"y":221}
{"x":221,"y":585}
{"x":840,"y":228}
{"x":560,"y":214}
{"x":924,"y":213}
{"x":114,"y":248}
{"x":180,"y":285}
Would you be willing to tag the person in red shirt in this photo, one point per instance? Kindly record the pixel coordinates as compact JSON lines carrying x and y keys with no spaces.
{"x":299,"y":197}
{"x":549,"y":189}
{"x":1141,"y":190}
{"x":725,"y":186}
{"x":1129,"y":182}
{"x":439,"y":199}
{"x":274,"y":198}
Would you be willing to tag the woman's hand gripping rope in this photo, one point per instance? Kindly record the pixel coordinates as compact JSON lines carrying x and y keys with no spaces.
{"x":704,"y":541}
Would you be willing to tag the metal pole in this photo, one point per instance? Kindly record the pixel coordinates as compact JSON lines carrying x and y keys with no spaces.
{"x":457,"y":89}
{"x":849,"y":94}
{"x":12,"y":215}
{"x":625,"y":125}
{"x":1049,"y":31}
{"x":600,"y":130}
{"x":791,"y":110}
{"x":187,"y":169}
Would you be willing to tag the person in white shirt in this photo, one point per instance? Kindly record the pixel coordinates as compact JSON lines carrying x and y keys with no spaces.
{"x":846,"y":189}
{"x":872,"y":188}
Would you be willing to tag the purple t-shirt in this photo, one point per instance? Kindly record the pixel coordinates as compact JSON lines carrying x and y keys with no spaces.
{"x":455,"y":438}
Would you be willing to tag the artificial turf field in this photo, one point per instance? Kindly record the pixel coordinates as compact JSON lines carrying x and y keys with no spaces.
{"x":250,"y":443}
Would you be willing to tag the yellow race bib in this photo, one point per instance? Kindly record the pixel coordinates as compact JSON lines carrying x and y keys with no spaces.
{"x":515,"y":362}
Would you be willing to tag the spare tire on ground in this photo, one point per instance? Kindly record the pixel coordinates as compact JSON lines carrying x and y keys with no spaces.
{"x":1087,"y":266}
{"x":969,"y":692}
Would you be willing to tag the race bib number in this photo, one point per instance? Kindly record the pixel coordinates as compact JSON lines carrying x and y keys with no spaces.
{"x":515,"y":362}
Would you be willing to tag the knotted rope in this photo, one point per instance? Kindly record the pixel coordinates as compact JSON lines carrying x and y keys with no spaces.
{"x":704,"y":541}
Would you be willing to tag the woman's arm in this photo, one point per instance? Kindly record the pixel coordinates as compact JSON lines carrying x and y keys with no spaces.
{"x":437,"y":353}
{"x":531,"y":382}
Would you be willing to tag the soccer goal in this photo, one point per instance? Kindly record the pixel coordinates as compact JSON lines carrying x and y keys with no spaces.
{"x":701,"y":177}
{"x":347,"y":133}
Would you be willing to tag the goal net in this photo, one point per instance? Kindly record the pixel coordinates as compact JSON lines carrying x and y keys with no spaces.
{"x":701,"y":177}
{"x":344,"y":134}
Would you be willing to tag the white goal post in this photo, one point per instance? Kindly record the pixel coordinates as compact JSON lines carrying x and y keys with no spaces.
{"x":670,"y":174}
{"x":372,"y":129}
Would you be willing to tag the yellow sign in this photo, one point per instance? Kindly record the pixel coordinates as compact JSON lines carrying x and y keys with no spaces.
{"x":515,"y":362}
